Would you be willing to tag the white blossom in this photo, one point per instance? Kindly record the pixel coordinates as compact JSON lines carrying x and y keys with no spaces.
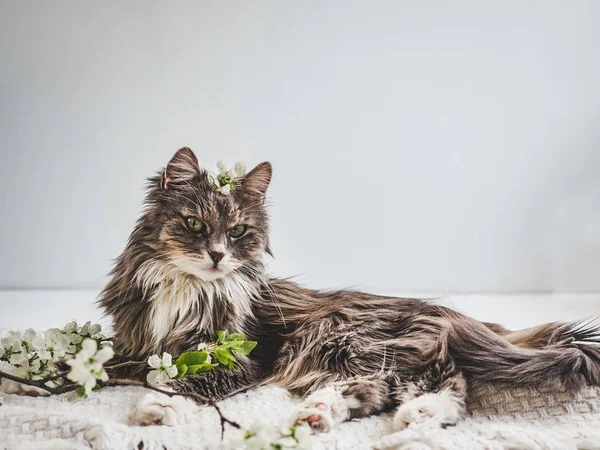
{"x":203,"y":347}
{"x":213,"y":179}
{"x":58,"y":343}
{"x":85,"y":329}
{"x":74,"y":338}
{"x":222,"y":166}
{"x":95,"y":330}
{"x":163,"y":371}
{"x":260,"y":436}
{"x":239,"y":169}
{"x":226,"y":181}
{"x":23,"y":366}
{"x":235,"y":439}
{"x":18,"y":359}
{"x":14,"y":341}
{"x":303,"y":435}
{"x":38,"y":344}
{"x":86,"y":367}
{"x":71,"y":327}
{"x":28,"y":335}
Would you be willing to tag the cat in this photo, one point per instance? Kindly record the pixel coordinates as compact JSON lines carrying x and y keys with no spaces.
{"x":194,"y":265}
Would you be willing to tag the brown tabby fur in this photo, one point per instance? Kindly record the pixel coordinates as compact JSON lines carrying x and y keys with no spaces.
{"x":382,"y":351}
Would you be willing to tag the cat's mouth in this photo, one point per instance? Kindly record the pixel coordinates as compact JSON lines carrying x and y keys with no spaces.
{"x":212,"y":274}
{"x":203,"y":269}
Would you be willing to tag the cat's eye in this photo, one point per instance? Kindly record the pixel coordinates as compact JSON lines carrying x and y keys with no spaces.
{"x":194,"y":224}
{"x":237,"y":231}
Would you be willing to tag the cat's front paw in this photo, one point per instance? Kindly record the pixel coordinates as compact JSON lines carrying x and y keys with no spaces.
{"x":160,"y":409}
{"x":434,"y":409}
{"x":322,"y":410}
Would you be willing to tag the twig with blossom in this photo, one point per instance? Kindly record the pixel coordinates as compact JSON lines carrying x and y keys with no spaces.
{"x":71,"y":387}
{"x":39,"y":361}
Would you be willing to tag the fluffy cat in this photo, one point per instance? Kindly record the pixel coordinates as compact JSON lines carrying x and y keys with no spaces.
{"x":193,"y":265}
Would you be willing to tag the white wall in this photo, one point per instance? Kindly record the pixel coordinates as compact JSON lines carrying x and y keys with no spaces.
{"x":430,"y":146}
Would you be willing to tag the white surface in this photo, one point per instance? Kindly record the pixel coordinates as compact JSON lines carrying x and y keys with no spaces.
{"x":45,"y":309}
{"x":100,"y":421}
{"x":437,"y":146}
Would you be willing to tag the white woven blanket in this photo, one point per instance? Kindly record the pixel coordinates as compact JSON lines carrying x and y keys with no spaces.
{"x":501,"y":419}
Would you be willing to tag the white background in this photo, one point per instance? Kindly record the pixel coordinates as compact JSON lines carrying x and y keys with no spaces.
{"x":417,"y":146}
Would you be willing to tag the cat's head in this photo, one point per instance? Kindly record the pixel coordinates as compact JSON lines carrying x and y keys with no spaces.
{"x":202,"y":232}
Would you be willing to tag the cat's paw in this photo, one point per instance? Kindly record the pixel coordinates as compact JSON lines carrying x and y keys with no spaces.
{"x":322,"y":410}
{"x":160,"y":409}
{"x":434,"y":410}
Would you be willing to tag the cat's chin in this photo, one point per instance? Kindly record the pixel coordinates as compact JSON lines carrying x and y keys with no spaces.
{"x":211,"y":274}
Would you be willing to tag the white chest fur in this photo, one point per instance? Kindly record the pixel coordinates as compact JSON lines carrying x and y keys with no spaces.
{"x":181,"y":302}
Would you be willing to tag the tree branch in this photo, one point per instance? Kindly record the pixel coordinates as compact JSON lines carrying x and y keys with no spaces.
{"x":125,"y":364}
{"x":36,"y":383}
{"x":68,"y":387}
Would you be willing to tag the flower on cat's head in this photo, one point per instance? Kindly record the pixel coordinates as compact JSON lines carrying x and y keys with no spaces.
{"x":227,"y":181}
{"x":163,"y":371}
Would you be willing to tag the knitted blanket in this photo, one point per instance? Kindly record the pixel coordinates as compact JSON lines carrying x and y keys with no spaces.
{"x":500,"y":419}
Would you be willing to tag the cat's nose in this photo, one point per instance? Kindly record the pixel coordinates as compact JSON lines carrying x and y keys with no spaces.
{"x":216,"y":256}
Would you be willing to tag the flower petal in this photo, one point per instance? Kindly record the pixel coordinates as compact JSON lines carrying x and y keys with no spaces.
{"x":103,"y":375}
{"x":239,"y":169}
{"x":89,"y":384}
{"x":104,"y":354}
{"x":154,"y":361}
{"x":172,"y":371}
{"x":222,"y":166}
{"x":88,"y":347}
{"x":29,"y":334}
{"x":73,"y":338}
{"x":163,"y":377}
{"x":167,"y":359}
{"x":70,"y":327}
{"x":152,"y":377}
{"x":85,"y":328}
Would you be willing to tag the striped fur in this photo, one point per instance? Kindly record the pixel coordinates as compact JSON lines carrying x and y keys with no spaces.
{"x":355,"y":353}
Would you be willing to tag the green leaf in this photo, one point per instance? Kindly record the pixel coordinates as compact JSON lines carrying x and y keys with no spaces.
{"x":181,"y":370}
{"x":80,"y":391}
{"x":199,"y":368}
{"x":226,"y":345}
{"x":191,"y":358}
{"x":225,"y":357}
{"x":245,"y":348}
{"x":221,"y":335}
{"x":235,"y":337}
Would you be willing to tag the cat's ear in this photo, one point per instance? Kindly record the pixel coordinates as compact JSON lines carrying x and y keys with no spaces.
{"x":256,"y":182}
{"x":182,"y":167}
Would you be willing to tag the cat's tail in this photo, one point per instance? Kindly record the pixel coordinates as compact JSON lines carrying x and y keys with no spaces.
{"x":570,"y":357}
{"x":543,"y":335}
